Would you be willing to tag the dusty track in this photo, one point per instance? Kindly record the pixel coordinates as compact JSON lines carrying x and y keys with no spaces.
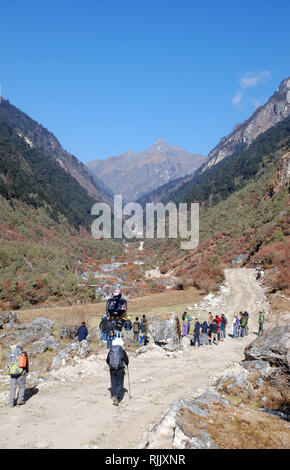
{"x":80,"y":414}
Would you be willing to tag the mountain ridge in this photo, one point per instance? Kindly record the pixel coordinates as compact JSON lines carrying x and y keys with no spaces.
{"x":139,"y":172}
{"x":43,"y":140}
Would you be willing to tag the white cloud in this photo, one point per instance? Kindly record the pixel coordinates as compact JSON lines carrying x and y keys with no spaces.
{"x":250,"y":79}
{"x":238,"y":98}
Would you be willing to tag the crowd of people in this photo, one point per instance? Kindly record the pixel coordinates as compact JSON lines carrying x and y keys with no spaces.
{"x":116,"y":325}
{"x":215,"y":328}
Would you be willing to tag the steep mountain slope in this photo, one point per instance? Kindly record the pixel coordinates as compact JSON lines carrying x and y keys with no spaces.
{"x":275,"y":110}
{"x":40,"y":138}
{"x":28,"y":175}
{"x":133,"y":174}
{"x":244,"y":215}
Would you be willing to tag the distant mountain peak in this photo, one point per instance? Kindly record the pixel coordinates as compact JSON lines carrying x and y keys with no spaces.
{"x":140,"y":172}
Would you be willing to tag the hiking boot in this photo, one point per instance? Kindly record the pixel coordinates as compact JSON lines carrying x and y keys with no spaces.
{"x":115,"y":401}
{"x":21,"y":403}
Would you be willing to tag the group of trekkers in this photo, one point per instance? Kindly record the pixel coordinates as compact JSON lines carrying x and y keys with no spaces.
{"x":208,"y":332}
{"x":112,"y":324}
{"x":214,"y":329}
{"x":118,"y":327}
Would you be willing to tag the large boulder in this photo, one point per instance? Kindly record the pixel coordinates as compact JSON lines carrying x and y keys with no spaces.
{"x":72,"y":350}
{"x":272,"y":346}
{"x":184,"y":426}
{"x":34,"y":331}
{"x":94,"y":335}
{"x":69,"y":332}
{"x":4,"y":318}
{"x":39,"y":347}
{"x":166,"y":333}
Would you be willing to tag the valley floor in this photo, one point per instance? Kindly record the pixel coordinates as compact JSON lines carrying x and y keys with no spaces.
{"x":78,"y":413}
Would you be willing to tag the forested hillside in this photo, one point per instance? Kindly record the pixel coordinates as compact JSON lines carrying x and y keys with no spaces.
{"x":28,"y":175}
{"x":44,"y":141}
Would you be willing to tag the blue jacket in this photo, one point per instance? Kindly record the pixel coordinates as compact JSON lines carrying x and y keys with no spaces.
{"x":82,"y":333}
{"x":197,"y":328}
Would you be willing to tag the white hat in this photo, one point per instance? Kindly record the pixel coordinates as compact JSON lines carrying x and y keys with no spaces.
{"x":117,"y":342}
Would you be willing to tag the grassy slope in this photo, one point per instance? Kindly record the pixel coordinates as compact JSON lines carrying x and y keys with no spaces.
{"x":245,"y":222}
{"x":39,"y":257}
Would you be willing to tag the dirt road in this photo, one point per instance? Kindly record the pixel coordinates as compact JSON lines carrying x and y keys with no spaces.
{"x":78,"y":413}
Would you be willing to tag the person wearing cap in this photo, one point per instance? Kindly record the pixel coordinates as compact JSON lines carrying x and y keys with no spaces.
{"x":117,"y":359}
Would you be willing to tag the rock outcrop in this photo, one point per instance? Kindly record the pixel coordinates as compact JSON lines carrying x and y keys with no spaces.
{"x":166,"y":333}
{"x":281,"y":178}
{"x":273,"y":346}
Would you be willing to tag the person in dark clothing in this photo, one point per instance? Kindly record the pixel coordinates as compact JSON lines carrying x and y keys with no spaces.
{"x":111,"y":325}
{"x":204,"y":333}
{"x":214,"y":332}
{"x":196,"y":332}
{"x":119,"y":323}
{"x":143,"y":328}
{"x":128,"y":327}
{"x":136,"y":329}
{"x":117,"y":358}
{"x":82,"y":332}
{"x":103,"y":327}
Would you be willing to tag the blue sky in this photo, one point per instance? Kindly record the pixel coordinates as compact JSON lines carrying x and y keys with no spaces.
{"x":108,"y":76}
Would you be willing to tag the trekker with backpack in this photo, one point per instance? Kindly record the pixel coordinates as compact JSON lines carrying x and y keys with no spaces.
{"x":261,"y":323}
{"x":117,"y":359}
{"x":243,"y":324}
{"x":18,"y":368}
{"x":136,"y":329}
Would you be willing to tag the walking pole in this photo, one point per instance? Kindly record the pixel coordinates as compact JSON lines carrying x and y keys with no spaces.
{"x":129,"y":384}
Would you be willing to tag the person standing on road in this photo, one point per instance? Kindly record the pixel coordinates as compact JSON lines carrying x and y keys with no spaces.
{"x":214,"y":332}
{"x":196,"y":332}
{"x":204,"y":333}
{"x":243,"y":324}
{"x":143,"y":330}
{"x":103,"y":327}
{"x":184,"y":324}
{"x":128,"y":327}
{"x":18,"y":369}
{"x":261,"y":323}
{"x":224,"y":322}
{"x":236,"y":326}
{"x":136,"y":329}
{"x":117,"y":359}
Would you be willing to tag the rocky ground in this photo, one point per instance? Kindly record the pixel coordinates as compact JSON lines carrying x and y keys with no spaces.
{"x":70,"y":406}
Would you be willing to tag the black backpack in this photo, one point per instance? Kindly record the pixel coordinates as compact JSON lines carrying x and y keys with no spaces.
{"x":115,"y":359}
